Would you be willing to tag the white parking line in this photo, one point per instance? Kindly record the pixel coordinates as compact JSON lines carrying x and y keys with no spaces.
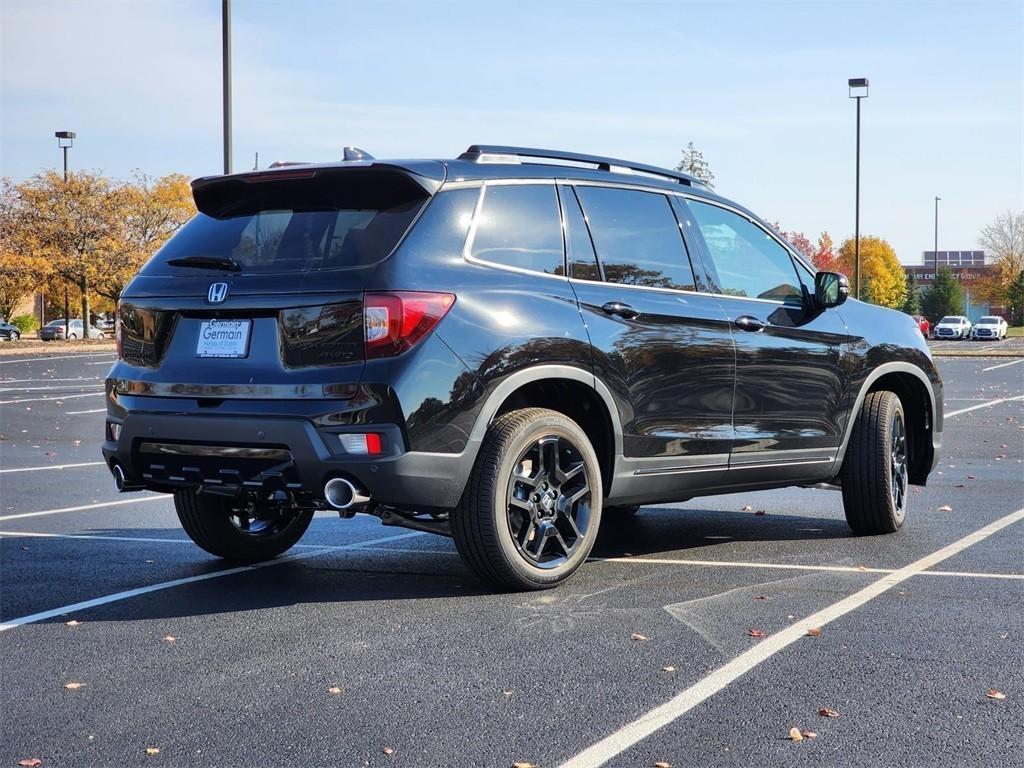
{"x":83,"y":385}
{"x":78,"y":413}
{"x":1003,"y":365}
{"x":118,"y":596}
{"x":84,"y":507}
{"x":990,"y":403}
{"x":618,"y":742}
{"x":155,"y":540}
{"x":50,"y":399}
{"x":5,"y":382}
{"x":795,"y":567}
{"x":50,"y":466}
{"x":63,"y":357}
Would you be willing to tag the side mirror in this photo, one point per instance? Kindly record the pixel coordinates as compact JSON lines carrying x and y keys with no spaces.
{"x":830,"y":289}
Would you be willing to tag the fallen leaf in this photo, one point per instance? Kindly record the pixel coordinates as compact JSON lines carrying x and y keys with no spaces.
{"x":945,"y":508}
{"x":334,"y":689}
{"x":970,"y":477}
{"x":826,"y":712}
{"x":152,"y":750}
{"x":756,"y":633}
{"x":388,"y":751}
{"x":747,"y":508}
{"x":74,"y":686}
{"x":170,"y":638}
{"x":814,"y":632}
{"x":795,"y":735}
{"x":760,"y":597}
{"x":662,"y":764}
{"x":668,"y":669}
{"x":638,"y":636}
{"x":994,"y":694}
{"x":30,"y":762}
{"x":862,"y":567}
{"x":809,"y":734}
{"x":523,"y":765}
{"x":73,"y":623}
{"x":507,"y":693}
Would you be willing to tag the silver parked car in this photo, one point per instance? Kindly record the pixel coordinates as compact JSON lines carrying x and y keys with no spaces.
{"x":54,"y":330}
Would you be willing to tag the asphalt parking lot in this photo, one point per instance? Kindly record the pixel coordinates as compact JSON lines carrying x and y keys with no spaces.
{"x":375,"y":646}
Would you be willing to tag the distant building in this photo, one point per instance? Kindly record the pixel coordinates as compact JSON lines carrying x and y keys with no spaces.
{"x":967,"y":267}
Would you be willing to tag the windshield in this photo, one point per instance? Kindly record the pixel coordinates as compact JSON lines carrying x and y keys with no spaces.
{"x":989,"y":320}
{"x":950,"y":320}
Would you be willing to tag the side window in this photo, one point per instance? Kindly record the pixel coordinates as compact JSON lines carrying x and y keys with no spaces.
{"x":582,"y":259}
{"x":748,"y":261}
{"x":637,"y":237}
{"x":518,"y":226}
{"x":442,"y":229}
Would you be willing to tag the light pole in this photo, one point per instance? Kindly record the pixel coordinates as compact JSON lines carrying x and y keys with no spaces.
{"x":935,"y":253}
{"x":65,"y":140}
{"x":858,"y":90}
{"x":225,"y":9}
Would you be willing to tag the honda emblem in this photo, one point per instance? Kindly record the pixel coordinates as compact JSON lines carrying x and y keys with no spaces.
{"x":217,"y":293}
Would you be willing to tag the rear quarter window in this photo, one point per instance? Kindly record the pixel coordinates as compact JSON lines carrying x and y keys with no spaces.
{"x":518,"y":225}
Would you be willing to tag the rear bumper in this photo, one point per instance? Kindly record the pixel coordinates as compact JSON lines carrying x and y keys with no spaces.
{"x":165,"y":451}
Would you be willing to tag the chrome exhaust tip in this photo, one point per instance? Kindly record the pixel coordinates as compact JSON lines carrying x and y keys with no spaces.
{"x":121,"y":481}
{"x":341,"y":494}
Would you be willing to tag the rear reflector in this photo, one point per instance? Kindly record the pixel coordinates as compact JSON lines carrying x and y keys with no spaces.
{"x":361,"y":443}
{"x":397,"y":321}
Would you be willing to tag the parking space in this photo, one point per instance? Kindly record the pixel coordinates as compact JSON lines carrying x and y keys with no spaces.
{"x":684,"y":641}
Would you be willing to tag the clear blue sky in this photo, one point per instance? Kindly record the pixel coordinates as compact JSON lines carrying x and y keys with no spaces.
{"x":759,"y":87}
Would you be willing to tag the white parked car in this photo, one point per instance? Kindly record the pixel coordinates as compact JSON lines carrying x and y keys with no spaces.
{"x":952,"y":327}
{"x":989,"y":327}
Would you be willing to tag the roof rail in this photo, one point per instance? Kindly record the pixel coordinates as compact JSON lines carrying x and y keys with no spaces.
{"x":492,"y":153}
{"x":286,"y":163}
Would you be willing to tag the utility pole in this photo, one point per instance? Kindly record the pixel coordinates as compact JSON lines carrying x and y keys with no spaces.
{"x":226,"y":71}
{"x":935,"y":253}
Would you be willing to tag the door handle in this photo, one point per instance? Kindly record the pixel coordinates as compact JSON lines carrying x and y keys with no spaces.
{"x":750,"y":323}
{"x":619,"y":308}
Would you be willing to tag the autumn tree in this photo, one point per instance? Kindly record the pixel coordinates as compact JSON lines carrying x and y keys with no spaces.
{"x":73,"y":224}
{"x":825,"y":258}
{"x":1015,"y":299}
{"x":798,"y":240}
{"x":944,"y":297}
{"x":879,"y":269}
{"x":1003,"y":240}
{"x":151,"y":210}
{"x":21,"y":272}
{"x":695,"y":165}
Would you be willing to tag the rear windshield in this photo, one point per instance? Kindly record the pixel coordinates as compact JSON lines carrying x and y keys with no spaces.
{"x":296,"y":225}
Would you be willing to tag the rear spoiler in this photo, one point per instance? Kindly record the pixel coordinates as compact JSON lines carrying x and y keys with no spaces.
{"x":358,"y":184}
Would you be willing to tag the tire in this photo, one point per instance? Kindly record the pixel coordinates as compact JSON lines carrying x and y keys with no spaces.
{"x":874,"y":473}
{"x":73,"y":336}
{"x":208,"y":522}
{"x":499,"y":518}
{"x":15,"y":336}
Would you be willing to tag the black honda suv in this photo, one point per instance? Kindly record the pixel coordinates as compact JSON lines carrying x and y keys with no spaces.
{"x":502,"y":348}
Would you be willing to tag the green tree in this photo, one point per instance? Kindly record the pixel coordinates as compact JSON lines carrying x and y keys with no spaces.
{"x":693,"y":163}
{"x":881,"y":274}
{"x":944,"y":297}
{"x":912,"y":302}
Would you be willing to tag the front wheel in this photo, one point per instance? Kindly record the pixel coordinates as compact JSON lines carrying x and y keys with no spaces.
{"x":247,"y":532}
{"x":15,"y":336}
{"x":529,"y":515}
{"x":874,"y":474}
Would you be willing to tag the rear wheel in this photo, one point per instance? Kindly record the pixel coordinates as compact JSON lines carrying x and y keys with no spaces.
{"x":874,"y":474}
{"x":530,"y":512}
{"x":246,"y":531}
{"x":15,"y":335}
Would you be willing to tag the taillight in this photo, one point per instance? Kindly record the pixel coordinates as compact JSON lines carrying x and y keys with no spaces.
{"x":396,"y":321}
{"x":117,"y":331}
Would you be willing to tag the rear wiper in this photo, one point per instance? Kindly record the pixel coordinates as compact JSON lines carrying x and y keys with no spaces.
{"x":207,"y":262}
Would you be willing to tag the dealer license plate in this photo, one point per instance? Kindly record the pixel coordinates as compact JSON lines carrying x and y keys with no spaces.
{"x":223,"y":338}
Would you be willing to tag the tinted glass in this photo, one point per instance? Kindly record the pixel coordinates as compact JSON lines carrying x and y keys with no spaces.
{"x":988,"y":320}
{"x":950,"y":320}
{"x":519,"y":226}
{"x":748,"y":261}
{"x":582,"y":259}
{"x":637,"y":237}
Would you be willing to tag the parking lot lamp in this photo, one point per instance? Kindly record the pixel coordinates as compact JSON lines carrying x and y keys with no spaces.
{"x":858,"y":90}
{"x":935,"y":253}
{"x":65,"y":140}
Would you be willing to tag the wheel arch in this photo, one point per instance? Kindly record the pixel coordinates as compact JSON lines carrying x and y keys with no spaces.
{"x":923,"y":415}
{"x":575,"y":392}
